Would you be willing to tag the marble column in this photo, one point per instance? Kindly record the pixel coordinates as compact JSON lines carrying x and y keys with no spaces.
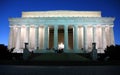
{"x":28,"y":36}
{"x":32,"y":37}
{"x":112,"y":35}
{"x":21,"y":38}
{"x":41,"y":37}
{"x":18,"y":38}
{"x":108,"y":35}
{"x":82,"y":37}
{"x":11,"y":38}
{"x":46,"y":45}
{"x":65,"y":38}
{"x":56,"y":37}
{"x":85,"y":38}
{"x":48,"y":35}
{"x":75,"y":38}
{"x":94,"y":36}
{"x":37,"y":36}
{"x":103,"y":37}
{"x":100,"y":39}
{"x":15,"y":35}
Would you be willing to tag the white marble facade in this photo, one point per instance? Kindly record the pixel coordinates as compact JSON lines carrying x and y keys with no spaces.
{"x":88,"y":27}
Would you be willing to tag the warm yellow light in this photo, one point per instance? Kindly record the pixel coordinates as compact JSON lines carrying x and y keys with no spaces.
{"x":61,"y":46}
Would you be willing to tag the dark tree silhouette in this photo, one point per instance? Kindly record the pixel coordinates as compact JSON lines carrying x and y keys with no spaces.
{"x":4,"y":52}
{"x":113,"y":52}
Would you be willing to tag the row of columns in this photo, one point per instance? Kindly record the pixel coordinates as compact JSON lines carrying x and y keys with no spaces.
{"x":15,"y":42}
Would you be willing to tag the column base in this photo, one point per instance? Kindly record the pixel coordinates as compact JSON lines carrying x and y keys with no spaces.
{"x":50,"y":51}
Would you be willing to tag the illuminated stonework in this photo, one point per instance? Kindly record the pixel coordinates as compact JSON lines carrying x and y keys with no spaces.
{"x":78,"y":30}
{"x":61,"y":46}
{"x":62,"y":13}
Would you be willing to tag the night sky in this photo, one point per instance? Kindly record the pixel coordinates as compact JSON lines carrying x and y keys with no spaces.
{"x":13,"y":8}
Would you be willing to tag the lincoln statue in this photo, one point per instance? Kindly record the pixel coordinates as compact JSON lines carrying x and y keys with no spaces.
{"x":72,"y":31}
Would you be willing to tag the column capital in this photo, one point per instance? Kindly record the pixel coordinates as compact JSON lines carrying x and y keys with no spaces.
{"x":32,"y":26}
{"x":46,"y":26}
{"x":36,"y":26}
{"x":103,"y":26}
{"x":94,"y":26}
{"x":55,"y":26}
{"x":111,"y":26}
{"x":65,"y":26}
{"x":85,"y":27}
{"x":76,"y":26}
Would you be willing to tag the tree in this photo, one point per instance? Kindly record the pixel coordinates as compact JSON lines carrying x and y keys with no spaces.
{"x":4,"y":52}
{"x":113,"y":52}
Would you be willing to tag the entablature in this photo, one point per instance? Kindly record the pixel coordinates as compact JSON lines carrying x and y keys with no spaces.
{"x":62,"y":21}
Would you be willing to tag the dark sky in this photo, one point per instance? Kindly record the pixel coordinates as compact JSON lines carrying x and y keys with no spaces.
{"x":13,"y":8}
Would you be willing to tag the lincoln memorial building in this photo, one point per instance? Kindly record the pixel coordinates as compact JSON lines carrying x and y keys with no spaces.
{"x":72,"y":31}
